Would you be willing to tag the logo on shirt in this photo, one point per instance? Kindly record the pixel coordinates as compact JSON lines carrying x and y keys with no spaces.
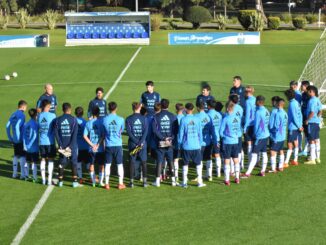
{"x":137,"y":122}
{"x":191,"y":123}
{"x":65,"y":122}
{"x":113,"y":123}
{"x":44,"y":120}
{"x":235,"y":120}
{"x":165,"y":118}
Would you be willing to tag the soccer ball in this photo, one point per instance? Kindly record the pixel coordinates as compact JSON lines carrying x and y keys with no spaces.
{"x":14,"y":74}
{"x":7,"y":77}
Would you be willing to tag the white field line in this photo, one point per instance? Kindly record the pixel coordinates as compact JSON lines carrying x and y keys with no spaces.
{"x":20,"y":235}
{"x":115,"y":84}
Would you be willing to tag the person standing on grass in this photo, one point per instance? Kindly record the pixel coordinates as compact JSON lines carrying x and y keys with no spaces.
{"x":304,"y":105}
{"x":176,"y":148}
{"x":294,"y":128}
{"x":229,"y":131}
{"x":239,"y":90}
{"x":66,"y":130}
{"x":113,"y":128}
{"x":14,"y":129}
{"x":99,"y":102}
{"x":47,"y":144}
{"x":94,"y":136}
{"x":190,"y":138}
{"x":31,"y":140}
{"x":204,"y":96}
{"x":50,"y":96}
{"x":137,"y":128}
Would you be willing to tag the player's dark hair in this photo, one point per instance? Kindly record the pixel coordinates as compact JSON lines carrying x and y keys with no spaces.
{"x":280,"y":100}
{"x":157,"y":107}
{"x":22,"y":103}
{"x":200,"y":105}
{"x":293,"y":83}
{"x":165,"y":104}
{"x":219,"y":106}
{"x":135,"y":106}
{"x":289,"y":94}
{"x":305,"y":83}
{"x":79,"y":111}
{"x":237,"y":78}
{"x":275,"y":100}
{"x":211,"y":104}
{"x":260,"y":99}
{"x":112,"y":106}
{"x":96,"y":111}
{"x":207,"y":87}
{"x":314,"y":89}
{"x":230,"y":106}
{"x":149,"y":83}
{"x":189,"y":106}
{"x":99,"y":89}
{"x":179,"y":107}
{"x":32,"y":113}
{"x":66,"y":106}
{"x":45,"y":103}
{"x":234,"y":98}
{"x":143,"y":110}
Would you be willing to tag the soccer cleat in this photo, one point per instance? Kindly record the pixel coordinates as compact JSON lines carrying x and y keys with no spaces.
{"x":34,"y":180}
{"x":245,"y":176}
{"x":107,"y":187}
{"x":280,"y":169}
{"x":310,"y":162}
{"x":200,"y":185}
{"x":156,"y":184}
{"x":272,"y":171}
{"x":285,"y":165}
{"x":93,"y":185}
{"x":237,"y":181}
{"x":318,"y":160}
{"x":80,"y":181}
{"x":145,"y":185}
{"x":262,"y":174}
{"x":194,"y":180}
{"x":227,"y":183}
{"x":75,"y":184}
{"x":121,"y":186}
{"x":174,"y":183}
{"x":101,"y":184}
{"x":303,"y":154}
{"x":184,"y":185}
{"x":60,"y":184}
{"x":294,"y":163}
{"x":209,"y":179}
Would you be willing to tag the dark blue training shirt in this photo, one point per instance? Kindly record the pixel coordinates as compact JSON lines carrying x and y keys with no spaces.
{"x":165,"y":125}
{"x":137,"y":129}
{"x":52,"y":98}
{"x":241,"y":92}
{"x":100,"y":104}
{"x":149,"y":100}
{"x":202,"y":98}
{"x":66,"y":130}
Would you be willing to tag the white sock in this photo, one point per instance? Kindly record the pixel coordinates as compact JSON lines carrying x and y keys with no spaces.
{"x":232,"y":166}
{"x":318,"y":149}
{"x":50,"y":172}
{"x":79,"y":170}
{"x":306,"y":145}
{"x":14,"y":166}
{"x":199,"y":170}
{"x":218,"y":163}
{"x":158,"y":181}
{"x":107,"y":173}
{"x":242,"y":160}
{"x":26,"y":169}
{"x":42,"y":167}
{"x":237,"y":170}
{"x":101,"y":177}
{"x":92,"y":175}
{"x":22,"y":161}
{"x":249,"y":152}
{"x":252,"y":163}
{"x":176,"y":168}
{"x":34,"y":170}
{"x":227,"y":172}
{"x":265,"y":161}
{"x":313,"y":152}
{"x":296,"y":152}
{"x":120,"y":173}
{"x":281,"y":163}
{"x":185,"y":174}
{"x":273,"y":162}
{"x":209,"y":169}
{"x":288,"y":156}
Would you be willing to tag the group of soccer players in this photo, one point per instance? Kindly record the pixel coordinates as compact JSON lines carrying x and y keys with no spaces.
{"x":207,"y":136}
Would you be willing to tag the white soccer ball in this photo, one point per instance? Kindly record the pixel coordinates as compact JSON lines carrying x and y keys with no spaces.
{"x":7,"y":77}
{"x":15,"y":74}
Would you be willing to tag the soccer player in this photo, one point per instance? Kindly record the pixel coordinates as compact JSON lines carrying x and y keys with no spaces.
{"x":229,"y":131}
{"x":48,"y":95}
{"x":207,"y":142}
{"x":261,"y":134}
{"x":31,"y":140}
{"x":204,"y":96}
{"x":46,"y":137}
{"x":304,"y":104}
{"x":313,"y":121}
{"x":296,"y":89}
{"x":176,"y":148}
{"x":278,"y":134}
{"x":239,"y":90}
{"x":113,"y":128}
{"x":250,"y":111}
{"x":99,"y":102}
{"x":94,"y":136}
{"x":294,"y":128}
{"x":14,"y":129}
{"x":164,"y":129}
{"x":216,"y":118}
{"x":66,"y":130}
{"x":82,"y":144}
{"x":137,"y":128}
{"x":189,"y":139}
{"x":149,"y":98}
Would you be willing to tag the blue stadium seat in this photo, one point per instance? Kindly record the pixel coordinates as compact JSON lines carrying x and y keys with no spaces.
{"x":87,"y":35}
{"x":111,"y":35}
{"x":80,"y":35}
{"x":70,"y":36}
{"x":128,"y":35}
{"x":120,"y":35}
{"x":136,"y":35}
{"x":96,"y":35}
{"x":104,"y":35}
{"x":144,"y":35}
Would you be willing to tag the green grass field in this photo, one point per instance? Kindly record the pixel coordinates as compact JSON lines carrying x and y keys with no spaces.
{"x":286,"y":208}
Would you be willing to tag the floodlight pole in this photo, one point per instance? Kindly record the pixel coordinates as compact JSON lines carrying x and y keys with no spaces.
{"x":77,"y":5}
{"x":136,"y":5}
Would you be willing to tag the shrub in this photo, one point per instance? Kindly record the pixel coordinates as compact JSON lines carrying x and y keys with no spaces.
{"x":258,"y":22}
{"x":312,"y":18}
{"x":23,"y":18}
{"x":51,"y":18}
{"x":197,"y":15}
{"x":273,"y":23}
{"x":233,"y":20}
{"x":109,"y":9}
{"x":246,"y":18}
{"x":286,"y":18}
{"x":4,"y":21}
{"x":156,"y":20}
{"x":221,"y":22}
{"x":299,"y":22}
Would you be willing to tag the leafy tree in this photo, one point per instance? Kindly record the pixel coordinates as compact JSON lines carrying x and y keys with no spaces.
{"x":171,"y":6}
{"x":197,"y":15}
{"x":13,"y":5}
{"x":4,"y":6}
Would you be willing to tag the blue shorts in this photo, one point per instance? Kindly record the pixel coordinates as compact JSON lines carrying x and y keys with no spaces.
{"x":293,"y":135}
{"x":83,"y":156}
{"x":191,"y":155}
{"x":240,"y":145}
{"x":216,"y":149}
{"x":249,"y":136}
{"x":96,"y":157}
{"x":47,"y":151}
{"x":176,"y":154}
{"x":114,"y":153}
{"x":206,"y":152}
{"x":230,"y":151}
{"x":141,"y":155}
{"x":313,"y":131}
{"x":19,"y":150}
{"x":164,"y":153}
{"x":276,"y":146}
{"x":260,"y":146}
{"x":32,"y":157}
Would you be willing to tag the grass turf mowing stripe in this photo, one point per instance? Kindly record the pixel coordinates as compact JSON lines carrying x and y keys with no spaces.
{"x":22,"y":231}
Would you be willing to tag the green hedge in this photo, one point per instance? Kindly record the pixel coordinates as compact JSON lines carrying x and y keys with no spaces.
{"x":312,"y":18}
{"x":109,"y":9}
{"x":273,"y":23}
{"x":299,"y":22}
{"x":197,"y":15}
{"x":246,"y":18}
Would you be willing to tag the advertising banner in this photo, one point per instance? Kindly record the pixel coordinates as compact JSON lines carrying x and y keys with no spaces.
{"x":25,"y":41}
